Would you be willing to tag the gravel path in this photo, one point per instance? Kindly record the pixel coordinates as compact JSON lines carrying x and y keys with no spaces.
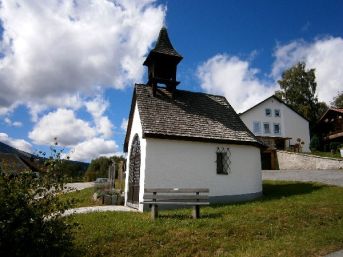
{"x":335,"y":254}
{"x":330,"y":177}
{"x":82,"y":185}
{"x":79,"y":186}
{"x":99,"y":209}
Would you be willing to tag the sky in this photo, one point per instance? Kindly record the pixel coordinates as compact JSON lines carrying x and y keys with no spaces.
{"x":68,"y":67}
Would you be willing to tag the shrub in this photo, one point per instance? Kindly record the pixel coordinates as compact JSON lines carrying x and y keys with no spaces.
{"x":314,"y":144}
{"x":31,"y":221}
{"x":334,"y":146}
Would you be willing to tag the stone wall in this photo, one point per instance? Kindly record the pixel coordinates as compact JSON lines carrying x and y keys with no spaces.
{"x":300,"y":161}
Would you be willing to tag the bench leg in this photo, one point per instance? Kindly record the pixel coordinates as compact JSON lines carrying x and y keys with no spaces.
{"x":154,"y":211}
{"x":196,"y":212}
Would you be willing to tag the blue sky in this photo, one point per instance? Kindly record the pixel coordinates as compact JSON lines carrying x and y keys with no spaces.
{"x":67,"y":68}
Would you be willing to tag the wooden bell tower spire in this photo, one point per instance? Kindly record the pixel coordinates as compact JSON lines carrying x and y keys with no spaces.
{"x":162,"y":62}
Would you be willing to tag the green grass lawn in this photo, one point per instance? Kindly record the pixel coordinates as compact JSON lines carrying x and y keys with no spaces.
{"x":82,"y":198}
{"x":337,"y":154}
{"x":292,"y":219}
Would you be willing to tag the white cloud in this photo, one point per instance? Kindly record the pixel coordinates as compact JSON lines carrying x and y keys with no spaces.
{"x":8,"y":121}
{"x":233,"y":78}
{"x":92,"y":149}
{"x":58,"y":48}
{"x":17,"y":124}
{"x":104,"y":127}
{"x":11,"y":123}
{"x":124,"y":123}
{"x":238,"y":82}
{"x":86,"y":141}
{"x":97,"y":108}
{"x":20,"y":144}
{"x":325,"y":55}
{"x":63,"y":125}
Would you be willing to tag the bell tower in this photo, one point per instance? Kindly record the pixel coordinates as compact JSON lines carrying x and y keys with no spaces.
{"x":162,"y":62}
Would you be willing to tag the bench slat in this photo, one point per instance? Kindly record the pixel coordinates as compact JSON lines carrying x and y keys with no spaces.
{"x":175,"y":197}
{"x":176,"y":203}
{"x":176,"y":190}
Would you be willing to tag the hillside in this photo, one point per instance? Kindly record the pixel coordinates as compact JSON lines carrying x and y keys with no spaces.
{"x":9,"y":154}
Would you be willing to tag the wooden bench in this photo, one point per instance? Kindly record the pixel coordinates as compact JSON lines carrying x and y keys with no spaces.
{"x":176,"y":196}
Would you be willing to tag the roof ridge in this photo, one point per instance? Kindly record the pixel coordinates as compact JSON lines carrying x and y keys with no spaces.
{"x":193,"y":116}
{"x":278,"y":99}
{"x":182,"y":90}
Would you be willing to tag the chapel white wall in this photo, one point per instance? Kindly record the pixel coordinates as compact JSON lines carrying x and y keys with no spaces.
{"x":136,"y":128}
{"x":177,"y":164}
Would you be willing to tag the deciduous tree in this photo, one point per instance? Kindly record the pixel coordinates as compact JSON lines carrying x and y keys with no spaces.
{"x":338,"y":100}
{"x":298,"y":89}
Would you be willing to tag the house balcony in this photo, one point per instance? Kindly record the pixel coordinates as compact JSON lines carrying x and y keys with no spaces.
{"x":273,"y":143}
{"x":338,"y":134}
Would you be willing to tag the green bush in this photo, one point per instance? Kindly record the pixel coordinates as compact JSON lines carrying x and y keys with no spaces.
{"x":315,"y":143}
{"x":31,"y":222}
{"x":334,"y":146}
{"x":98,"y":168}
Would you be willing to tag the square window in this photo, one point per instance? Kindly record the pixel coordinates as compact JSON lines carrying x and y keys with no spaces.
{"x":277,"y":113}
{"x":277,"y":129}
{"x":268,"y":112}
{"x":223,"y":161}
{"x":257,"y":127}
{"x":266,"y":128}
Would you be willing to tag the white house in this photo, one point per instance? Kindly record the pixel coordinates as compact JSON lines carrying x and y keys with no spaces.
{"x":182,"y":139}
{"x":277,"y":124}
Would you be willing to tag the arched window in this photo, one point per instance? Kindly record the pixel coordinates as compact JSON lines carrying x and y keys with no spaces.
{"x":134,"y":171}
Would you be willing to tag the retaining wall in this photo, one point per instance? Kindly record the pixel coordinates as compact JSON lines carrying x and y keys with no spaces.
{"x":300,"y":161}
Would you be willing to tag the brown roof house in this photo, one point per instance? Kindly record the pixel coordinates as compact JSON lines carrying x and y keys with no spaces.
{"x":330,"y":127}
{"x":182,"y":139}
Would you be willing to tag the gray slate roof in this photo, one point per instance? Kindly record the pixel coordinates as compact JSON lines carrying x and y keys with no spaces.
{"x":190,"y":116}
{"x":163,"y":44}
{"x":163,"y":47}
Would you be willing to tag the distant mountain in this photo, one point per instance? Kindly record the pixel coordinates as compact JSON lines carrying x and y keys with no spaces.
{"x":9,"y":149}
{"x":36,"y":163}
{"x":9,"y":154}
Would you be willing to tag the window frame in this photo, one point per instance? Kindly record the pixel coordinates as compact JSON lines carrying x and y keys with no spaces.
{"x":223,"y":161}
{"x":277,"y":133}
{"x":264,"y":128}
{"x":258,"y":123}
{"x":279,"y":113}
{"x":268,"y":110}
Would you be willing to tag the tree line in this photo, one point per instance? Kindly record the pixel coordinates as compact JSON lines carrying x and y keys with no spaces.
{"x":98,"y":168}
{"x":298,"y":89}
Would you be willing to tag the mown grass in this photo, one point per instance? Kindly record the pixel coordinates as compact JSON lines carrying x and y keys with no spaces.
{"x":81,"y":198}
{"x":292,"y":219}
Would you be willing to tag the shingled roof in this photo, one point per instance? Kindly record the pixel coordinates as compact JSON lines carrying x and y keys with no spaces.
{"x":190,"y":116}
{"x":163,"y":46}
